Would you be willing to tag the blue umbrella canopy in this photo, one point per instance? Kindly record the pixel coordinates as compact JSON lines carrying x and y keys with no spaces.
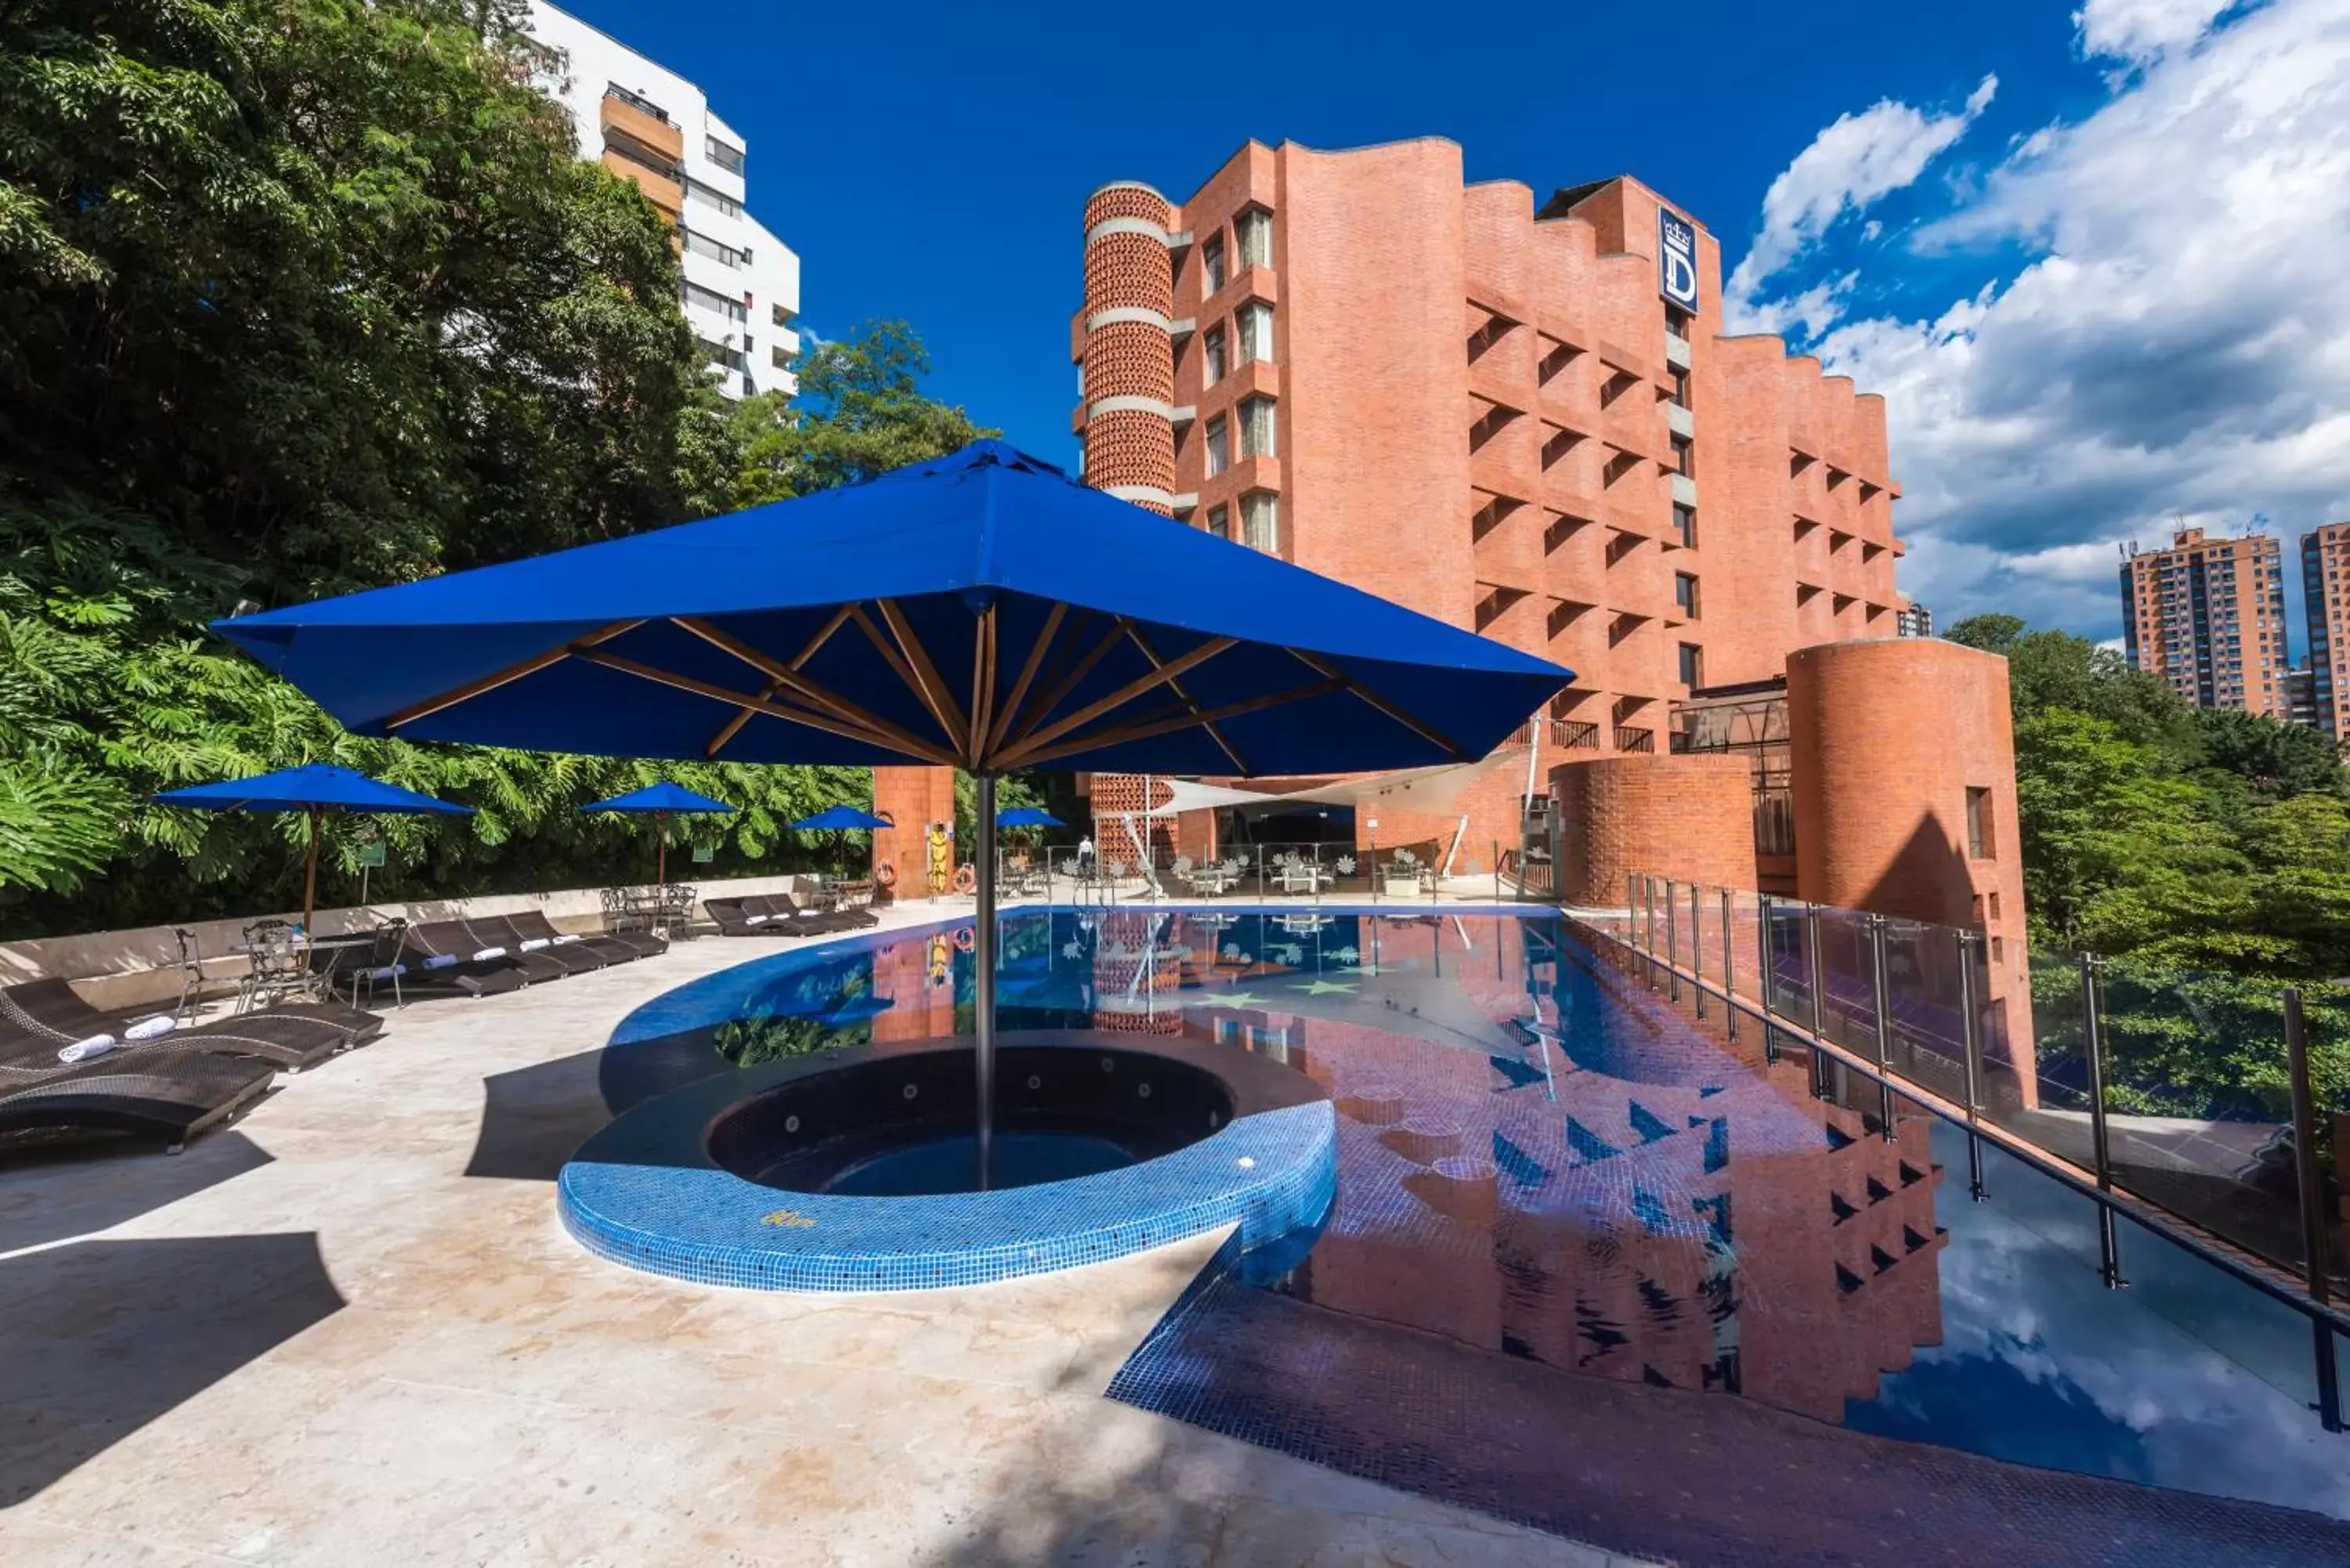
{"x":843,"y":817}
{"x":321,"y":785}
{"x":663,"y":796}
{"x":981,"y":610}
{"x":313,"y":788}
{"x":1027,"y":816}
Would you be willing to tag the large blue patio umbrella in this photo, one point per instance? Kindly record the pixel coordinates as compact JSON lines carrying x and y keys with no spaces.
{"x":980,"y":611}
{"x":660,"y":800}
{"x":1027,"y":816}
{"x":314,"y":789}
{"x":843,"y":817}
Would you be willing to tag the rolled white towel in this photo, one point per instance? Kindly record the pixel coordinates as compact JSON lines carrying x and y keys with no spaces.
{"x":535,"y":944}
{"x":441,"y":960}
{"x":486,"y":954}
{"x":153,"y":1028}
{"x":83,"y":1050}
{"x":561,"y":941}
{"x":756,"y":919}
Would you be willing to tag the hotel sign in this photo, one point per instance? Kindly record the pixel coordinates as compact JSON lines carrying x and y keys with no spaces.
{"x":1676,"y":259}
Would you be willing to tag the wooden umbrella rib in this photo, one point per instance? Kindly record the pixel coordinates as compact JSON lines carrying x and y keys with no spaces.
{"x":927,"y":683}
{"x":1436,"y":738}
{"x":734,"y":726}
{"x":752,"y":704}
{"x":1011,"y":709}
{"x":1068,"y":680}
{"x":1160,"y":675}
{"x":807,"y":690}
{"x":983,"y":678}
{"x":511,"y":673}
{"x":1215,"y":732}
{"x":1180,"y":722}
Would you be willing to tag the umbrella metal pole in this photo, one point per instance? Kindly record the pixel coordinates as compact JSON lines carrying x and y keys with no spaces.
{"x":984,"y":961}
{"x":310,"y":875}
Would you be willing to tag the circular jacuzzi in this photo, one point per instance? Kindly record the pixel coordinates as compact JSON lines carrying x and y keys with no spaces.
{"x":854,"y":1169}
{"x":904,"y":1125}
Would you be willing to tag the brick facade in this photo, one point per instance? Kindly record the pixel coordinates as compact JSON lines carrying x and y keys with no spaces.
{"x":913,"y":798}
{"x":2206,"y":617}
{"x":1689,"y":818}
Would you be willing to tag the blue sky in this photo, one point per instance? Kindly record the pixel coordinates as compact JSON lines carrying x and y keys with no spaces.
{"x":1934,"y":187}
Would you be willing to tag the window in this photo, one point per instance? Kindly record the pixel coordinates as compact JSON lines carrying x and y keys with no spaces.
{"x":1219,"y":449}
{"x":1219,"y":522}
{"x":718,"y":354}
{"x":1257,"y":427}
{"x":711,"y":299}
{"x":703,"y":245}
{"x":1253,"y":230}
{"x":1685,"y":525}
{"x":1685,"y":455}
{"x":1676,"y":321}
{"x":727,"y":158}
{"x":1681,"y":389}
{"x":1212,"y":264}
{"x":1256,"y":331}
{"x":1692,"y":670}
{"x":1979,"y":840}
{"x":1211,"y":355}
{"x":1261,"y":522}
{"x":1685,"y":594}
{"x":781,"y":360}
{"x":783,"y":318}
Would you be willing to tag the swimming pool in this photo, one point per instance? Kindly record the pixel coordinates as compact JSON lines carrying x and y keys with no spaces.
{"x":1553,"y":1198}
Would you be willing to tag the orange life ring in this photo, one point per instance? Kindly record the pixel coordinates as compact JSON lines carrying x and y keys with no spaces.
{"x":966,"y":878}
{"x":964,"y":937}
{"x":886,"y":874}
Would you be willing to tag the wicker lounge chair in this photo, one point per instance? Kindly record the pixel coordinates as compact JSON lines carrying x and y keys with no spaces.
{"x":50,"y":1014}
{"x":532,"y":926}
{"x":488,"y":931}
{"x":829,"y":907}
{"x":735,"y":919}
{"x":172,"y":1094}
{"x":457,"y":970}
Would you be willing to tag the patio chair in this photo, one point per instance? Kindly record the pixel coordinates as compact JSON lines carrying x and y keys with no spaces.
{"x":382,"y":964}
{"x":45,"y":1016}
{"x":170,"y":1094}
{"x":278,"y":965}
{"x":191,"y":973}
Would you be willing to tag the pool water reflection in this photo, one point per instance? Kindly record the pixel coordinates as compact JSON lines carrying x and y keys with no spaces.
{"x":1538,"y":1166}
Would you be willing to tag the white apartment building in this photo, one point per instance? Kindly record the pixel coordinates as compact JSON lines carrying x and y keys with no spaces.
{"x":739,"y":284}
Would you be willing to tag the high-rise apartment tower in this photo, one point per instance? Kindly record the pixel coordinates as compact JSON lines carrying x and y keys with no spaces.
{"x":2325,"y":605}
{"x":2207,"y":616}
{"x":739,"y":284}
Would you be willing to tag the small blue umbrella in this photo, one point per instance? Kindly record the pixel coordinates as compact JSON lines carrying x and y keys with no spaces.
{"x":981,"y":611}
{"x":659,"y":800}
{"x":314,"y":789}
{"x":843,"y":817}
{"x":1026,"y":816}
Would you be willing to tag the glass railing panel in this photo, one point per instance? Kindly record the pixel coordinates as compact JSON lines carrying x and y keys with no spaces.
{"x":1926,"y":1006}
{"x":2199,"y":1105}
{"x":2035,"y":1064}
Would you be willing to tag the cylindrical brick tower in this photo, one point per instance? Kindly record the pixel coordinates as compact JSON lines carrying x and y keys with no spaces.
{"x":1130,"y":346}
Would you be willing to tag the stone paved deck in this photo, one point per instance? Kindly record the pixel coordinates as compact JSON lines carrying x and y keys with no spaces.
{"x":349,"y":1330}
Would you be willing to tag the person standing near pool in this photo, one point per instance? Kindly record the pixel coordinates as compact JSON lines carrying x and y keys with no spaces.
{"x":1085,"y":856}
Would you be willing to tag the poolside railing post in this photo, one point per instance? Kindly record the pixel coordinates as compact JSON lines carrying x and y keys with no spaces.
{"x":1729,"y":978}
{"x":1879,"y":1001}
{"x":2093,"y":1036}
{"x":2311,"y":1182}
{"x":1697,"y":950}
{"x":1970,"y":1031}
{"x":1819,"y":970}
{"x":1672,"y":949}
{"x":1766,"y":975}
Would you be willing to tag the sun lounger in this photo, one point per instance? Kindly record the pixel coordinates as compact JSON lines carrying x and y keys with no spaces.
{"x":831,"y":907}
{"x":440,"y":958}
{"x":490,"y":932}
{"x":738,"y":917}
{"x":51,"y":1013}
{"x":616,"y":947}
{"x":801,"y":917}
{"x":170,"y":1094}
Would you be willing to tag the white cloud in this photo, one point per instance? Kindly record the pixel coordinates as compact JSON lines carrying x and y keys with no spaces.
{"x":2142,"y":31}
{"x":2178,"y":345}
{"x":1848,"y":166}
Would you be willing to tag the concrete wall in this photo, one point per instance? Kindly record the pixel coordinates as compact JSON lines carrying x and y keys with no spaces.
{"x":131,"y":968}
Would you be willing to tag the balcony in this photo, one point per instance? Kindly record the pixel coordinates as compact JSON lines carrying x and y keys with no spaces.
{"x":1574,"y":734}
{"x":1630,"y":740}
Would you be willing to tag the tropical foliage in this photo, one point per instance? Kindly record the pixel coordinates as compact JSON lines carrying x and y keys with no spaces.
{"x":303,"y":296}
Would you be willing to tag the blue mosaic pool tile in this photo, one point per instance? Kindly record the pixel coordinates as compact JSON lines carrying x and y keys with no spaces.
{"x":1269,"y":1174}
